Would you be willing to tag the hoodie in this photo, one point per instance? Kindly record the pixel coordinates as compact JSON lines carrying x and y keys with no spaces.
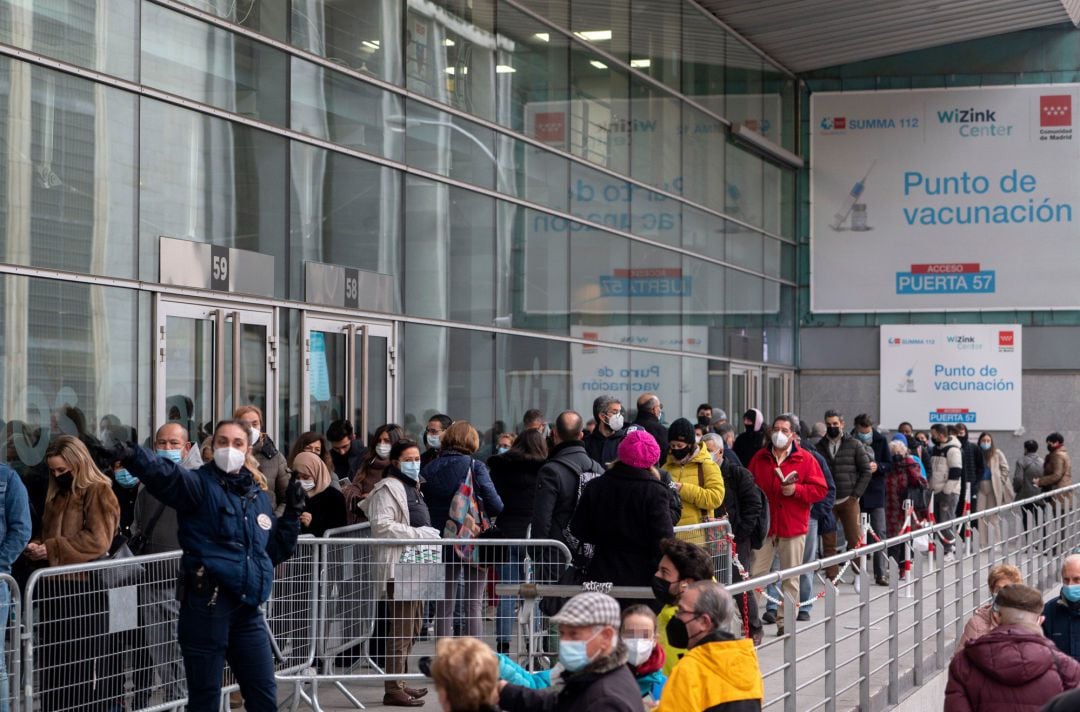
{"x":946,"y":467}
{"x":750,"y":441}
{"x":719,"y":674}
{"x":1010,"y":669}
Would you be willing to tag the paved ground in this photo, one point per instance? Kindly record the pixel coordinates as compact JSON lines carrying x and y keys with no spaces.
{"x":813,"y":654}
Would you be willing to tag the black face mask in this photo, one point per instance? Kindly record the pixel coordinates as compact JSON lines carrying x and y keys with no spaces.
{"x":661,"y":589}
{"x":703,"y":420}
{"x":832,"y":432}
{"x":64,"y":481}
{"x":962,"y":438}
{"x":677,"y":634}
{"x":749,"y":427}
{"x":681,"y":455}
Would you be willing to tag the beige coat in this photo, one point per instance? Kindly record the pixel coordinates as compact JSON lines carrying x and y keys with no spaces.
{"x":1000,"y":478}
{"x":388,"y":511}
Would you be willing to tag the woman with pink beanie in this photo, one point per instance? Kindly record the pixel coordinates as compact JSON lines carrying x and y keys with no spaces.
{"x":625,"y":514}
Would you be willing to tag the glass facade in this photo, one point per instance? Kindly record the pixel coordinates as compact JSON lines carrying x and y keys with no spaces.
{"x":540,"y":203}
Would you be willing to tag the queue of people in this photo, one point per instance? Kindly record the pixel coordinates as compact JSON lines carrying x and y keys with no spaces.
{"x":236,"y":504}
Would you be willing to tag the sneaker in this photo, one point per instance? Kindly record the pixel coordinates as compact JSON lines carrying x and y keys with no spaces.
{"x":769,"y":617}
{"x":803,"y":616}
{"x":949,"y":558}
{"x":757,"y":635}
{"x":780,"y":631}
{"x":882,"y":580}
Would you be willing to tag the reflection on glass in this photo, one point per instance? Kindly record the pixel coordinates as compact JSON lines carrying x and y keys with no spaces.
{"x":377,"y":396}
{"x":530,"y":373}
{"x":347,"y":111}
{"x":361,"y":36}
{"x":656,"y":40}
{"x":542,"y":244}
{"x":209,"y":180}
{"x":265,"y":16}
{"x":213,"y":66}
{"x":345,"y":211}
{"x":534,"y":97}
{"x":327,"y":380}
{"x":189,"y":374}
{"x":718,"y":390}
{"x":67,"y":179}
{"x":450,"y":146}
{"x":96,"y":34}
{"x":252,"y":367}
{"x":424,"y":359}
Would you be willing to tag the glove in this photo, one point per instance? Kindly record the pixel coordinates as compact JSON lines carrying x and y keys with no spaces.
{"x":295,"y":498}
{"x":430,"y":533}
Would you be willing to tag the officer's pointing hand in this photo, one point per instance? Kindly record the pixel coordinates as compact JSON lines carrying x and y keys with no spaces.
{"x":295,"y":498}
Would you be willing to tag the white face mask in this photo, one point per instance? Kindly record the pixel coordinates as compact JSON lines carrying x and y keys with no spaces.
{"x":229,"y":459}
{"x":779,"y":440}
{"x":308,"y":485}
{"x":255,"y":433}
{"x":615,"y":422}
{"x":433,"y":441}
{"x":639,"y":650}
{"x":382,"y":450}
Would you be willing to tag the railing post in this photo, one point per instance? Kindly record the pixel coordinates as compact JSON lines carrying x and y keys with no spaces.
{"x":831,"y":592}
{"x":864,"y":638}
{"x":920,"y":613}
{"x":939,"y":601}
{"x":894,"y":632}
{"x":791,"y":677}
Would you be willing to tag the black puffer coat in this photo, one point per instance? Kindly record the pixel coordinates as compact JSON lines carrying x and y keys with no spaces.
{"x":515,"y":480}
{"x":850,"y":467}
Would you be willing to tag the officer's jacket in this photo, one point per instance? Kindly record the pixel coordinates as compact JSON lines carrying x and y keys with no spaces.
{"x":226,"y":523}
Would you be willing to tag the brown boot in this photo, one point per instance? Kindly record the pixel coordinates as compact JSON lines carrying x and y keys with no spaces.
{"x":415,"y":692}
{"x":397,"y":697}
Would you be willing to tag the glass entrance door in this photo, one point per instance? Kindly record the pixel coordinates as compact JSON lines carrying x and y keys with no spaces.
{"x":745,"y":391}
{"x":781,"y":392}
{"x":349,"y":373}
{"x":210,"y":358}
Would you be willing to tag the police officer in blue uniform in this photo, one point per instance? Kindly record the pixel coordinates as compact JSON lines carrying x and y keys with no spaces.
{"x":231,"y":543}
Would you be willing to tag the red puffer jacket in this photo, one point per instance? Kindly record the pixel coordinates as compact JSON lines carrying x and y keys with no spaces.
{"x":1010,"y":669}
{"x":789,"y":516}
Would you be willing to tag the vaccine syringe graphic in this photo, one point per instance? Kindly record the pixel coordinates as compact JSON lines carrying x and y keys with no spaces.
{"x":907,"y":383}
{"x":851,"y":199}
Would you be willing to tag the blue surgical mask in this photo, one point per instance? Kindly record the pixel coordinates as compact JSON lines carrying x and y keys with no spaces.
{"x":501,"y":450}
{"x":411,"y":470}
{"x":573,"y":653}
{"x":434,"y":441}
{"x":865,"y":437}
{"x":170,"y":455}
{"x":1071,"y":593}
{"x":125,"y":479}
{"x":985,"y":446}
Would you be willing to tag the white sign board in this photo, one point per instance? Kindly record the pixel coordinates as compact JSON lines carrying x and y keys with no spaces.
{"x":951,"y":373}
{"x":930,"y":200}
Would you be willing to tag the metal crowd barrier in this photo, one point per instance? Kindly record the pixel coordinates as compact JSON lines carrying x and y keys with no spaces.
{"x":104,"y":633}
{"x":714,"y":537}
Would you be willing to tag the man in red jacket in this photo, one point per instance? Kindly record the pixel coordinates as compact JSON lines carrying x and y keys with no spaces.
{"x":792,"y":482}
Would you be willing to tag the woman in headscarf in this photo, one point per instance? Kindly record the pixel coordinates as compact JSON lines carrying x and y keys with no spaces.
{"x":325,"y":505}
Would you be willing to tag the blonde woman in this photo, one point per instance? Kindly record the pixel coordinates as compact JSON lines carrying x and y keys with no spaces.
{"x":81,"y":518}
{"x":269,"y":460}
{"x":466,"y":675}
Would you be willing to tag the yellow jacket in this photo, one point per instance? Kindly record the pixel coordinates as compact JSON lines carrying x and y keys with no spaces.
{"x":721,"y":675}
{"x":696,"y":498}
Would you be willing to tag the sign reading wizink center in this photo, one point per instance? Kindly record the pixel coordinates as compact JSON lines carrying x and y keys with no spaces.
{"x":951,"y":373}
{"x":944,"y":199}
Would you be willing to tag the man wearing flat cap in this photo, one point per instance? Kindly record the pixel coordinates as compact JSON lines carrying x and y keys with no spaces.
{"x":596,"y":677}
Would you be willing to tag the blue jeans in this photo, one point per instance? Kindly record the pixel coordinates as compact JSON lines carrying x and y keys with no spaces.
{"x":510,"y":571}
{"x":232,"y":630}
{"x":806,"y":582}
{"x":5,"y":620}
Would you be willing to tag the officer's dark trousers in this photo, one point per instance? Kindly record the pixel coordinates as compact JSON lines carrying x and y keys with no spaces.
{"x":229,"y":630}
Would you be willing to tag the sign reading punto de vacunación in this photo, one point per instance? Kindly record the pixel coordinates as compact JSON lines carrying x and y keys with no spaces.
{"x":952,"y":373}
{"x":931,"y":200}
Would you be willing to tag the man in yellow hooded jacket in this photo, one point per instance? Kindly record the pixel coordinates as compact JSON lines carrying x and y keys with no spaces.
{"x":720,"y":672}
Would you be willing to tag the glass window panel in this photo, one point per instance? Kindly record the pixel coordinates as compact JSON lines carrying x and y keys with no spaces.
{"x":210,"y":180}
{"x":604,"y":23}
{"x":363,"y":36}
{"x":779,"y":324}
{"x":656,"y":40}
{"x":327,"y":405}
{"x":657,"y":288}
{"x":703,"y":306}
{"x":424,"y":385}
{"x":452,"y":53}
{"x":377,"y":396}
{"x":599,"y":371}
{"x":745,"y":248}
{"x":703,"y":57}
{"x":213,"y":66}
{"x":704,"y":153}
{"x":533,"y":173}
{"x":344,"y":211}
{"x":534,"y":97}
{"x":450,"y":239}
{"x":72,"y":352}
{"x":266,"y":16}
{"x":600,"y":197}
{"x":599,"y":114}
{"x":655,"y":133}
{"x":451,"y":146}
{"x":530,"y":373}
{"x":68,"y":176}
{"x":541,"y":269}
{"x":448,"y":371}
{"x":600,"y":283}
{"x":96,"y":34}
{"x":743,"y":315}
{"x":717,"y":375}
{"x":339,"y":108}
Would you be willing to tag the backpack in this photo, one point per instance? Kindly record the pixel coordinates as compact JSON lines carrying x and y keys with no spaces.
{"x":761,"y":531}
{"x":582,"y":552}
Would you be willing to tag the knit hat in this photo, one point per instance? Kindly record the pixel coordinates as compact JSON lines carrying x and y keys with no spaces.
{"x":639,"y":449}
{"x":587,"y":609}
{"x":681,"y":431}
